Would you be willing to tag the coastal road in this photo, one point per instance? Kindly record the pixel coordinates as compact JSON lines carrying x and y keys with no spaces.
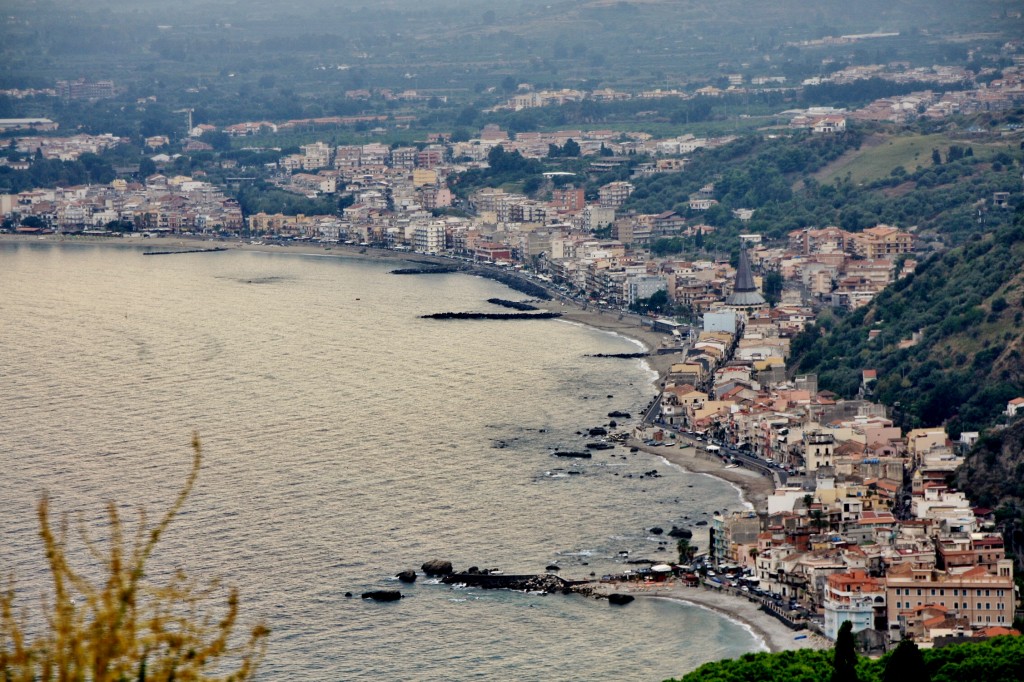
{"x":744,"y":459}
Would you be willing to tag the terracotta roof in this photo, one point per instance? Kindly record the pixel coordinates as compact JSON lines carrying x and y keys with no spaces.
{"x":998,"y":630}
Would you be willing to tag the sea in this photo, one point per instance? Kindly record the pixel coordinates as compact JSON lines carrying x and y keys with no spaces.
{"x":345,"y":439}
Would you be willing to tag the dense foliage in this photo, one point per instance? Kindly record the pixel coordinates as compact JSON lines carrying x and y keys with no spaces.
{"x":1000,"y":659}
{"x":966,"y":305}
{"x":773,"y":174}
{"x":88,"y":169}
{"x":503,"y":168}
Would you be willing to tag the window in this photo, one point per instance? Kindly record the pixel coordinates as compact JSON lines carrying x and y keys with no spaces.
{"x":942,"y":593}
{"x":987,"y":593}
{"x":954,"y":591}
{"x":919,"y":592}
{"x":933,"y":591}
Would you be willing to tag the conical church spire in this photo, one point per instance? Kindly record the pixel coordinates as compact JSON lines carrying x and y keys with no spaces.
{"x":745,"y":297}
{"x":744,"y":276}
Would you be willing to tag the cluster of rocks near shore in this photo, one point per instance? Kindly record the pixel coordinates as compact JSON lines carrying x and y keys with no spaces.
{"x":545,"y":583}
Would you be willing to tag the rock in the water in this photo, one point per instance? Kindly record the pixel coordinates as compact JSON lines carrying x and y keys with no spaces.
{"x":598,"y":431}
{"x":657,"y":530}
{"x":683,"y":533}
{"x":437,"y":567}
{"x":407,"y":576}
{"x":551,"y":567}
{"x":383,"y":595}
{"x":616,"y":598}
{"x":348,"y":594}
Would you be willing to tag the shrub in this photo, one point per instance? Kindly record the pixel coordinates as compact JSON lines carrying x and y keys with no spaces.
{"x":126,"y":627}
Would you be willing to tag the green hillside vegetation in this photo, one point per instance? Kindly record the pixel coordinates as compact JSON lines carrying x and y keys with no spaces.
{"x":967,"y":306}
{"x":881,"y":154}
{"x":1000,"y":659}
{"x":773,"y":172}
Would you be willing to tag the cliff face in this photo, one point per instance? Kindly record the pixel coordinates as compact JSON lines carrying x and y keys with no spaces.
{"x":993,"y":476}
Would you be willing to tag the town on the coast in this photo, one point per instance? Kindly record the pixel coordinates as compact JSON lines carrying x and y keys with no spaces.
{"x":608,"y":200}
{"x":863,"y":523}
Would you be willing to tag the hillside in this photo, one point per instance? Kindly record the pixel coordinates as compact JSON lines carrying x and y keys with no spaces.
{"x":993,"y":476}
{"x":965,"y":308}
{"x":882,"y":153}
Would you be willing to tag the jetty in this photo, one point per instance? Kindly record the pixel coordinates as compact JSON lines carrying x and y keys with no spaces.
{"x":172,"y":253}
{"x":547,"y":582}
{"x":492,"y":316}
{"x":515,"y":305}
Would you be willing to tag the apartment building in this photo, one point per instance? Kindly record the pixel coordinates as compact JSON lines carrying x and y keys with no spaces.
{"x":854,"y":597}
{"x":882,"y":241}
{"x":614,"y":194}
{"x":981,"y":596}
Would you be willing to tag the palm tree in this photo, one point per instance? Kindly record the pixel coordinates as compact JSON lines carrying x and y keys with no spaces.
{"x":686,"y":551}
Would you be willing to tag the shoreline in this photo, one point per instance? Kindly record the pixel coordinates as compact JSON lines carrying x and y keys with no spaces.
{"x":752,"y":488}
{"x":773,"y":635}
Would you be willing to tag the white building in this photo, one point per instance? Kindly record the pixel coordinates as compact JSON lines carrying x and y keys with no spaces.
{"x":429,"y":238}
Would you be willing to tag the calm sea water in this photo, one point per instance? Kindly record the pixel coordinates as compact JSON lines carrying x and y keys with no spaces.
{"x":345,"y":439}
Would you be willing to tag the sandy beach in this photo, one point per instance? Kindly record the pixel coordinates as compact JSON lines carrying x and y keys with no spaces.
{"x":775,"y":635}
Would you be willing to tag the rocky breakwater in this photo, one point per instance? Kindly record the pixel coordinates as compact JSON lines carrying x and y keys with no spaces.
{"x":383,"y":595}
{"x":547,"y":584}
{"x":514,"y":305}
{"x":432,"y":270}
{"x":492,"y":316}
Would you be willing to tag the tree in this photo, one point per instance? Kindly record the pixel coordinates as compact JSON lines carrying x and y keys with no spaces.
{"x":936,"y":158}
{"x":146,"y":167}
{"x":217,"y":139}
{"x":772,"y":285}
{"x":906,"y":663}
{"x":571,"y":148}
{"x":686,"y":551}
{"x":126,"y":627}
{"x":844,"y":660}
